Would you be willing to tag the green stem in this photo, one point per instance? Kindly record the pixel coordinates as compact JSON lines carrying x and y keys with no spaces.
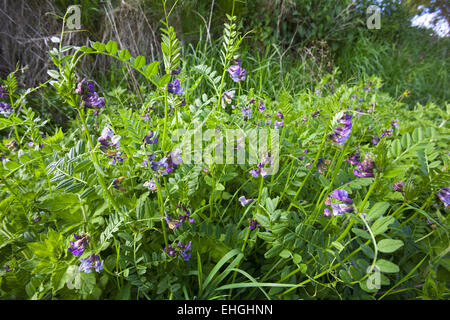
{"x":96,"y":162}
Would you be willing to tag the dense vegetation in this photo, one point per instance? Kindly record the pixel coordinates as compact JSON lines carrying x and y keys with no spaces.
{"x":98,"y":200}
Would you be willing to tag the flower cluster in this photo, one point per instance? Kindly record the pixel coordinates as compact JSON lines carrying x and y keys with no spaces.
{"x":253,"y":224}
{"x":175,"y":223}
{"x":5,"y":109}
{"x":4,"y":92}
{"x":353,"y":159}
{"x":237,"y":73}
{"x":247,"y":112}
{"x":110,"y":143}
{"x":365,"y":168}
{"x":90,"y":98}
{"x":186,"y":215}
{"x":35,"y":146}
{"x":398,"y":186}
{"x":183,"y":250}
{"x":279,"y":123}
{"x":444,"y":195}
{"x":385,"y":133}
{"x":175,"y":87}
{"x":301,"y":158}
{"x":342,"y":133}
{"x":116,"y":184}
{"x":77,"y":247}
{"x":163,"y":167}
{"x":148,"y":138}
{"x":227,"y":98}
{"x":260,"y":171}
{"x":341,"y":206}
{"x":93,"y":262}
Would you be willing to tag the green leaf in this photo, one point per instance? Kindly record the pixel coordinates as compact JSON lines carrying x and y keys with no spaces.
{"x":381,"y":225}
{"x":396,"y":148}
{"x":139,"y":62}
{"x":266,"y":236}
{"x":285,"y":254}
{"x":124,"y":54}
{"x":377,"y":210}
{"x":387,"y":266}
{"x":396,"y":171}
{"x":389,"y":245}
{"x":219,"y":187}
{"x":262,"y":219}
{"x":297,"y":258}
{"x":361,"y":233}
{"x":275,"y":250}
{"x":86,"y":49}
{"x":53,"y":73}
{"x":152,"y":69}
{"x":164,"y":80}
{"x":99,"y":46}
{"x":60,"y":202}
{"x":111,"y":47}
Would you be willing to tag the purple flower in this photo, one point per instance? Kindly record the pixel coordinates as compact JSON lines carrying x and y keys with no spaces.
{"x":279,"y":115}
{"x":108,"y":139}
{"x":362,"y":174}
{"x":84,"y":88}
{"x":5,"y":109}
{"x":175,"y":72}
{"x":90,"y":98}
{"x":170,"y":251}
{"x":175,"y":158}
{"x":341,"y":195}
{"x":77,"y":247}
{"x":94,"y":101}
{"x":183,"y":250}
{"x":244,"y":201}
{"x":93,"y":262}
{"x":444,"y":195}
{"x":398,"y":186}
{"x":338,"y":208}
{"x":365,"y":168}
{"x":375,"y":140}
{"x":151,"y":185}
{"x":145,"y":117}
{"x":173,"y":223}
{"x":261,"y":107}
{"x":175,"y":88}
{"x":237,"y":73}
{"x":394,"y":124}
{"x":255,"y":173}
{"x":342,"y":133}
{"x":353,"y":159}
{"x":148,"y":138}
{"x":387,"y":132}
{"x":253,"y":224}
{"x":4,"y":92}
{"x":247,"y":112}
{"x":278,"y":124}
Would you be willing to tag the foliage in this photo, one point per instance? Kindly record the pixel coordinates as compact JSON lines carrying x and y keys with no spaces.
{"x":70,"y":182}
